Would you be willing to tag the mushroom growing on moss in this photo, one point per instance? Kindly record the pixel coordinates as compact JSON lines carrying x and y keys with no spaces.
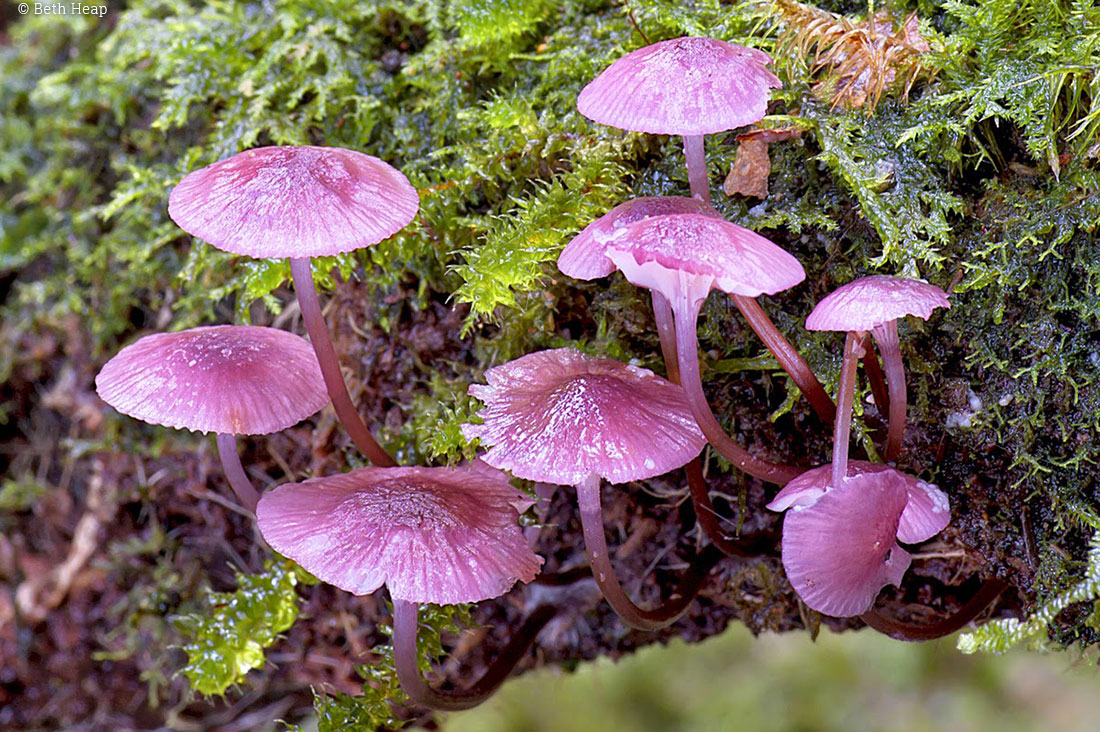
{"x":300,"y":202}
{"x":683,"y":86}
{"x":431,"y":535}
{"x":563,"y":417}
{"x":227,"y":379}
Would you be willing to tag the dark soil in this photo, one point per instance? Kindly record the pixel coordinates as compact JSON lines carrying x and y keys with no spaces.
{"x":143,"y":536}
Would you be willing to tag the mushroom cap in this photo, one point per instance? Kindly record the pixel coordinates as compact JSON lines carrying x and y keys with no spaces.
{"x":927,"y":509}
{"x":841,"y":550}
{"x":560,"y":416}
{"x":872,"y":301}
{"x":683,"y":86}
{"x":439,"y":535}
{"x":687,"y":255}
{"x":294,"y":202}
{"x":584,"y":257}
{"x":231,"y":379}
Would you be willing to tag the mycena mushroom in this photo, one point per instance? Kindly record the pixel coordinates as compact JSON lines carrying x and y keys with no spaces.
{"x":227,"y":379}
{"x":684,"y":86}
{"x":872,"y":304}
{"x":562,"y":417}
{"x":431,"y":535}
{"x":300,"y":202}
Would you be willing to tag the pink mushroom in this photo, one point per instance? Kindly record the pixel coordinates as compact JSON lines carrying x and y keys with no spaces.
{"x":563,"y":417}
{"x":684,"y":257}
{"x":431,"y":535}
{"x":684,"y":86}
{"x":226,"y":379}
{"x":300,"y":202}
{"x":872,"y":304}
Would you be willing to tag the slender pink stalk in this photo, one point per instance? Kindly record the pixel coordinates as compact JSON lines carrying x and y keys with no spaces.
{"x":346,"y":412}
{"x":405,"y":656}
{"x":697,"y":167}
{"x":898,"y":630}
{"x":886,"y":336}
{"x":687,"y":347}
{"x":787,"y":355}
{"x":234,"y":471}
{"x":877,"y":379}
{"x":595,"y":544}
{"x":666,"y":332}
{"x":845,"y":393}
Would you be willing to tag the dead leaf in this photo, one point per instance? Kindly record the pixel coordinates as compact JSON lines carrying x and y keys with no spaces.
{"x":749,"y":174}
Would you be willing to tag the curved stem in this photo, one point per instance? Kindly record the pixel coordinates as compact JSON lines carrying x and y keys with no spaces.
{"x":708,"y":519}
{"x":886,"y":336}
{"x":234,"y":471}
{"x":697,"y":167}
{"x":595,"y":545}
{"x":687,"y":348}
{"x":877,"y":379}
{"x":405,"y":658}
{"x":787,"y":355}
{"x":330,"y":365}
{"x":666,"y":332}
{"x":845,"y":392}
{"x":911,"y":632}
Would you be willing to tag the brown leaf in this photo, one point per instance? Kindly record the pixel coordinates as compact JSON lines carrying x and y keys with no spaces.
{"x":749,"y":174}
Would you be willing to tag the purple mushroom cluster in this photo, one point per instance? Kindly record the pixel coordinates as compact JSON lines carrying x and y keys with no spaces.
{"x":449,"y":535}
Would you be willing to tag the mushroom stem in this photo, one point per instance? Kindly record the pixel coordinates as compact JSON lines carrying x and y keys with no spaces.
{"x":234,"y":471}
{"x":708,"y":519}
{"x":687,"y":347}
{"x":787,"y":355}
{"x":666,"y":331}
{"x":844,"y":394}
{"x":595,"y":544}
{"x":877,"y":379}
{"x":405,"y":656}
{"x":302,"y":274}
{"x":697,"y":167}
{"x":910,"y":632}
{"x":886,"y":336}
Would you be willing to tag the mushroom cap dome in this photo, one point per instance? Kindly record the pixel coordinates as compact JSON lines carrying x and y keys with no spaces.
{"x":231,"y":379}
{"x":584,"y":257}
{"x":560,"y":416}
{"x":294,"y":202}
{"x":682,"y":86}
{"x":439,"y":535}
{"x":841,"y":550}
{"x":871,"y":301}
{"x":689,"y":254}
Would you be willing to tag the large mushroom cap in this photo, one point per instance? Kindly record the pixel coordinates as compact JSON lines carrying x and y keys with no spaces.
{"x":584,"y":258}
{"x":667,"y":253}
{"x":294,"y":202}
{"x":841,"y":550}
{"x":439,"y":535}
{"x":683,"y":86}
{"x":927,"y":509}
{"x":231,"y":379}
{"x":871,"y":301}
{"x":560,"y":416}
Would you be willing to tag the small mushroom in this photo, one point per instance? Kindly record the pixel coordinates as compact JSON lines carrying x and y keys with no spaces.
{"x":683,"y":86}
{"x":562,"y":417}
{"x":227,"y":379}
{"x":300,"y":202}
{"x":872,"y":304}
{"x":431,"y":535}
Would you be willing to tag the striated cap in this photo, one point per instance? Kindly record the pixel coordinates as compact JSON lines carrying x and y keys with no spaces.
{"x":231,"y":379}
{"x":927,"y":509}
{"x":439,"y":535}
{"x":584,"y":258}
{"x":561,"y":416}
{"x":690,"y":254}
{"x":841,"y":550}
{"x":872,"y":301}
{"x":683,"y":86}
{"x":294,"y":202}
